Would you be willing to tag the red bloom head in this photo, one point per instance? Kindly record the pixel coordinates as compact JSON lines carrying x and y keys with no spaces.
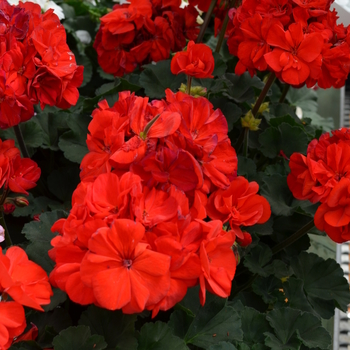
{"x":197,"y":61}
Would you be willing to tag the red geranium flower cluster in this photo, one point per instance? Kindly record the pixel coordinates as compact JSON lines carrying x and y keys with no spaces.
{"x":36,"y":64}
{"x":27,"y":284}
{"x":16,"y":174}
{"x":143,"y":31}
{"x":299,"y":41}
{"x":324,"y":176}
{"x":135,"y":238}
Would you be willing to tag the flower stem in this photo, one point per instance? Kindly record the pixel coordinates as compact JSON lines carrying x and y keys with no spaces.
{"x":223,"y":28}
{"x":206,"y":21}
{"x":189,"y":83}
{"x":21,"y":142}
{"x":284,"y":93}
{"x":245,"y":142}
{"x":293,"y":238}
{"x":263,"y":93}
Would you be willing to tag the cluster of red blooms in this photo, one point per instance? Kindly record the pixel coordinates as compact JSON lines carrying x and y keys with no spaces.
{"x":136,"y":237}
{"x":16,"y":174}
{"x":27,"y":284}
{"x":143,"y":31}
{"x":36,"y":64}
{"x":299,"y":41}
{"x":324,"y":176}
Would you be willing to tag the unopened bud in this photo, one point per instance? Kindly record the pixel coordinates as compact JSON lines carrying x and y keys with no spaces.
{"x":263,"y":107}
{"x":21,"y":202}
{"x":9,"y":208}
{"x":248,"y":121}
{"x":245,"y":241}
{"x":196,"y":91}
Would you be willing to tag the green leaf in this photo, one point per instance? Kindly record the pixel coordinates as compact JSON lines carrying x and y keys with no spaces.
{"x":78,"y":338}
{"x":294,"y":292}
{"x":268,"y":288}
{"x":156,"y":78}
{"x":86,"y":63}
{"x":220,"y":65}
{"x":49,"y":324}
{"x":302,"y":328}
{"x":246,"y":167}
{"x":261,"y":229}
{"x":117,"y":328}
{"x":286,"y":119}
{"x":58,"y":298}
{"x":254,"y":324}
{"x":52,"y":125}
{"x":323,"y":279}
{"x":63,"y":181}
{"x":285,"y":226}
{"x":311,"y":333}
{"x":230,"y":110}
{"x":283,"y":321}
{"x":213,"y":323}
{"x":73,"y":142}
{"x":36,"y":206}
{"x":158,"y":336}
{"x":179,"y":322}
{"x":276,"y":191}
{"x":223,"y":345}
{"x":109,"y":90}
{"x":304,"y":98}
{"x":40,"y":235}
{"x":257,"y":257}
{"x":285,"y":137}
{"x":25,"y":345}
{"x":241,"y":87}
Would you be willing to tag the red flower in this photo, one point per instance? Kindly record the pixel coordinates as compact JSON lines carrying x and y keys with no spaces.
{"x":296,"y":56}
{"x":333,"y":216}
{"x":26,"y":282}
{"x":24,"y":175}
{"x":122,"y":272}
{"x":239,"y":204}
{"x":12,"y":322}
{"x":197,"y":61}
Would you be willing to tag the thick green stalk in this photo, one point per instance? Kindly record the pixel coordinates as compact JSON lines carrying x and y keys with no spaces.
{"x":263,"y":93}
{"x":293,"y":238}
{"x":21,"y":142}
{"x":284,"y":93}
{"x":206,"y":21}
{"x":246,"y":142}
{"x":223,"y":28}
{"x":189,"y":83}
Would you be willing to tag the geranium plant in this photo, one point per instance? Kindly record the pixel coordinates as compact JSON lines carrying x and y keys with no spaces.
{"x":167,"y":187}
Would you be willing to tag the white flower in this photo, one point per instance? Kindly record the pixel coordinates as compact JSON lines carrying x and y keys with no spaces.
{"x":84,"y":36}
{"x":45,"y":5}
{"x":2,"y":234}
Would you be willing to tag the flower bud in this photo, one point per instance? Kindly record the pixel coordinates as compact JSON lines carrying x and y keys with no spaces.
{"x":9,"y":208}
{"x":21,"y":202}
{"x":196,"y":91}
{"x":248,"y":121}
